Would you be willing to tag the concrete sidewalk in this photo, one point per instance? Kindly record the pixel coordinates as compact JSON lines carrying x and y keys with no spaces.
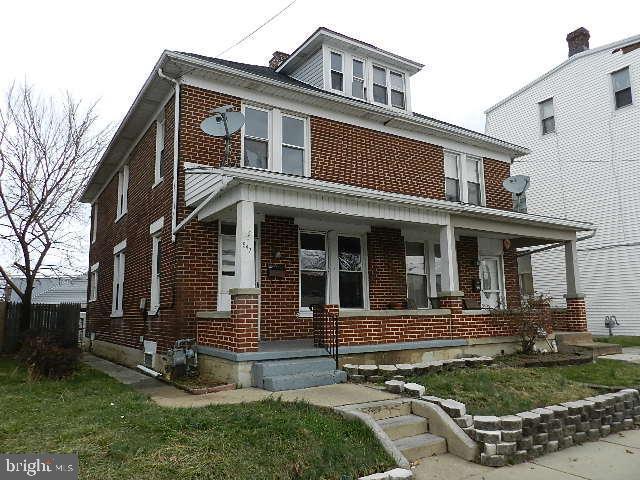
{"x":629,"y":354}
{"x":616,"y":457}
{"x":167,"y":395}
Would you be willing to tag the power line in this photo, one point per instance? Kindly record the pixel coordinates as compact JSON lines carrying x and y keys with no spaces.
{"x":257,"y":29}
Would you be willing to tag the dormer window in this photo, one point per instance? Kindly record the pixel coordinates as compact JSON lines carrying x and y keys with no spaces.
{"x":397,"y":89}
{"x":358,"y":89}
{"x":337,"y":76}
{"x":379,"y":85}
{"x":385,"y":80}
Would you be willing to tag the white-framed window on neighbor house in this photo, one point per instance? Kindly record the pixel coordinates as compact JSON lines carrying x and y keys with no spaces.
{"x":117,"y":308}
{"x":451,"y":177}
{"x":159,"y":148}
{"x":337,"y":71}
{"x":358,"y":83}
{"x":94,"y":222}
{"x":93,"y":282}
{"x":547,"y":116}
{"x":313,"y":269}
{"x":622,"y":88}
{"x":123,"y":191}
{"x":417,"y":261}
{"x":276,"y":140}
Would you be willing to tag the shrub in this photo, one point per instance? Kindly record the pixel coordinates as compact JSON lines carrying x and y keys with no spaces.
{"x":531,"y":320}
{"x":46,"y":359}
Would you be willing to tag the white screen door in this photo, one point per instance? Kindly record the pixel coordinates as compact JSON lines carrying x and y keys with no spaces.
{"x":491,"y":282}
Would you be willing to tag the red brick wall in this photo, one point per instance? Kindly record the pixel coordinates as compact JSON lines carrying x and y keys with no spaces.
{"x":358,"y":156}
{"x":387,"y":268}
{"x":495,"y":172}
{"x":511,"y":278}
{"x":279,"y":307}
{"x":468,"y":269}
{"x":239,"y":332}
{"x":570,"y":319}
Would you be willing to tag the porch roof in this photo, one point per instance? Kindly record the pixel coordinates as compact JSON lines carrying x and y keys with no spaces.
{"x":212,"y":190}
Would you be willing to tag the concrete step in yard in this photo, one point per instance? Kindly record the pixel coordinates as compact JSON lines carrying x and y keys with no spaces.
{"x":581,"y":342}
{"x":421,"y":446}
{"x":404,"y":426}
{"x":292,"y":374}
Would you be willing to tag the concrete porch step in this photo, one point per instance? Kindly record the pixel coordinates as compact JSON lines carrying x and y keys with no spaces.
{"x":569,"y":342}
{"x":404,"y":426}
{"x":421,"y":446}
{"x":303,"y":380}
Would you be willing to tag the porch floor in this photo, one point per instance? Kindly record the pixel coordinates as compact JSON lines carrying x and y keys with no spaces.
{"x":287,"y":345}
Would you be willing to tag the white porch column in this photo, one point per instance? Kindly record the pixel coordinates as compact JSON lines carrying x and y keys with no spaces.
{"x":245,"y":245}
{"x":573,"y":272}
{"x":449,"y":260}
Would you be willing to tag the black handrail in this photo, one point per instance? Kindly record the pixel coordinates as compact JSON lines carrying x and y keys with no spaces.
{"x":326,"y":331}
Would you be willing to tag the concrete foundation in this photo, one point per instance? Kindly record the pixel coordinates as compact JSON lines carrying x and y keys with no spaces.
{"x":223,"y":370}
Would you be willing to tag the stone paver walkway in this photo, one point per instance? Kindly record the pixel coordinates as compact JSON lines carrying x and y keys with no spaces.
{"x":629,"y":354}
{"x":616,"y":457}
{"x":169,"y":396}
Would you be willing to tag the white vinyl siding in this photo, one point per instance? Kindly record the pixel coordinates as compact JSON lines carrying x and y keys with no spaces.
{"x":589,"y":170}
{"x":310,"y":71}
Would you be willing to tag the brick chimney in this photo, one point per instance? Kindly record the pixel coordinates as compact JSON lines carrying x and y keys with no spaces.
{"x":278,"y":59}
{"x":578,"y":41}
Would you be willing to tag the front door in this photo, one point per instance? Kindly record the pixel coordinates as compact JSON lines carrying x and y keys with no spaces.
{"x":491,"y":281}
{"x":227,"y":263}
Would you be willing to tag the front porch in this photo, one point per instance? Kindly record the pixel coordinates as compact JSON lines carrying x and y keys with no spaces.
{"x":404,"y":273}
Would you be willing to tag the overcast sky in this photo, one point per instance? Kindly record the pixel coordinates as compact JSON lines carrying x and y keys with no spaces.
{"x":475,"y":52}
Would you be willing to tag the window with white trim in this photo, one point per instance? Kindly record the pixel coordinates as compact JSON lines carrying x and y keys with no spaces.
{"x":380,"y":85}
{"x":93,"y":283}
{"x":388,"y":87}
{"x":118,"y":284}
{"x":417,"y":260}
{"x":472,"y":172}
{"x":256,"y":137}
{"x":622,"y":88}
{"x":276,"y":140}
{"x":358,"y":88}
{"x":451,"y":177}
{"x":156,"y":261}
{"x":123,"y":191}
{"x":437,"y":267}
{"x":94,"y":222}
{"x":313,"y":269}
{"x":350,"y":281}
{"x":396,"y":82}
{"x":337,"y":72}
{"x":159,"y":148}
{"x":547,"y":116}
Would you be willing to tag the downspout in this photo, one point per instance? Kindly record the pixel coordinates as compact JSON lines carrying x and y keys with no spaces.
{"x":556,"y":245}
{"x":176,"y":131}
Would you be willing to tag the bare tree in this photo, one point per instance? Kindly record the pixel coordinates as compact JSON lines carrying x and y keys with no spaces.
{"x":48,"y":148}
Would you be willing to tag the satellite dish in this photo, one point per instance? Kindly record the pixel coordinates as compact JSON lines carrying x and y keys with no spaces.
{"x":516,"y":184}
{"x":223,"y":123}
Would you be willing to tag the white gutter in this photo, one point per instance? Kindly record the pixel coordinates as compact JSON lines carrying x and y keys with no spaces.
{"x":524,"y":253}
{"x":176,"y":132}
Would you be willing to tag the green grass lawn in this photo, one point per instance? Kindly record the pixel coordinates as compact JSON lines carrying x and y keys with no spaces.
{"x":508,"y":390}
{"x":622,"y":340}
{"x":119,"y":434}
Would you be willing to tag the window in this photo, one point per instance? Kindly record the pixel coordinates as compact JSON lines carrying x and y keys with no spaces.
{"x":350,"y":272}
{"x":358,"y":89}
{"x":156,"y":261}
{"x":452,"y":190}
{"x":472,"y":179}
{"x":622,"y":88}
{"x":123,"y":190}
{"x":159,"y":148}
{"x":256,"y":138}
{"x":313,"y":269}
{"x":93,"y":283}
{"x":228,"y":249}
{"x":118,"y":280}
{"x":547,"y":116}
{"x":292,"y":145}
{"x":379,"y":85}
{"x":94,"y":222}
{"x":397,"y":89}
{"x":417,"y":275}
{"x":437,"y":267}
{"x":337,"y":76}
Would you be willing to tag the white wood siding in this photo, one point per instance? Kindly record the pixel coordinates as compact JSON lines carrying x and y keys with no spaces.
{"x":311,"y":71}
{"x":588,"y":170}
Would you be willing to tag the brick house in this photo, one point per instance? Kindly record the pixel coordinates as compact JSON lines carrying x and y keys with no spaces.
{"x":335,"y":193}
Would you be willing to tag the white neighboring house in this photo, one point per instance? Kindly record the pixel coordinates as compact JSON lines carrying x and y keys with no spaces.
{"x":581,"y":121}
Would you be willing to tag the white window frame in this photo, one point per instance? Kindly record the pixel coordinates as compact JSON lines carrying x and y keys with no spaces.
{"x":613,"y":88}
{"x":426,"y":252}
{"x":306,"y":311}
{"x":93,"y":280}
{"x":333,"y":268}
{"x":274,"y":133}
{"x":501,"y":279}
{"x":462,"y":181}
{"x":94,"y":222}
{"x":117,"y":309}
{"x":391,"y":89}
{"x":387,"y":72}
{"x":342,"y":72}
{"x":543,"y":118}
{"x":123,"y":192}
{"x":160,"y":138}
{"x":365,"y":89}
{"x":155,"y":230}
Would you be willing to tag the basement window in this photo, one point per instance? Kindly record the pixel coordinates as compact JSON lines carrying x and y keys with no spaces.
{"x":622,"y":88}
{"x":547,"y":116}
